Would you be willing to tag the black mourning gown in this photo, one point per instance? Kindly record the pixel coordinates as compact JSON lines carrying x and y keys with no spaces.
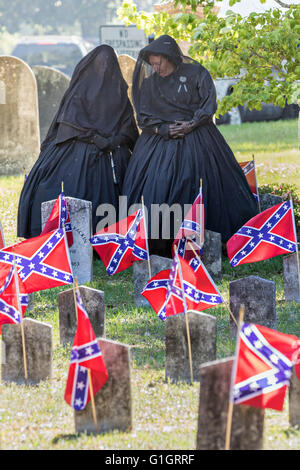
{"x":96,"y":102}
{"x":169,"y":170}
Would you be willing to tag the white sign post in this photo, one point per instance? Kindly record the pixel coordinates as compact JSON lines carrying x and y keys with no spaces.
{"x":124,"y":39}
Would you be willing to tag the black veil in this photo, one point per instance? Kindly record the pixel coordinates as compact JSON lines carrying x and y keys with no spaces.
{"x":95,"y":101}
{"x":153,"y":101}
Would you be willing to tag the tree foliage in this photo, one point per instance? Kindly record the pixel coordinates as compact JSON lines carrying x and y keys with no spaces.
{"x":59,"y":16}
{"x":262,"y":50}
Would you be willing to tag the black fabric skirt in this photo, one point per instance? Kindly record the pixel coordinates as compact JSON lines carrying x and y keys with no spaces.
{"x":169,"y":171}
{"x":86,"y":173}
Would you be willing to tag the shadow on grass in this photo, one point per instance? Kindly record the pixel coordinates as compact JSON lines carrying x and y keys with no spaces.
{"x":66,"y":437}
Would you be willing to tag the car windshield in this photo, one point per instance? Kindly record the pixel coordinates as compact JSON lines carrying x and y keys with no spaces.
{"x":61,"y":56}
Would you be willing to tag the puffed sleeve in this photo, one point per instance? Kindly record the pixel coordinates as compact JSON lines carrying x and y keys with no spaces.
{"x":208,"y":98}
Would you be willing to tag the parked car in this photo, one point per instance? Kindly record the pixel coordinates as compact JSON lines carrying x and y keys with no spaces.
{"x":268,"y":112}
{"x":60,"y":52}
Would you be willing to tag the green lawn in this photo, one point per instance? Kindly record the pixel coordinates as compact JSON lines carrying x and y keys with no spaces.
{"x":275,"y":148}
{"x":164,"y":414}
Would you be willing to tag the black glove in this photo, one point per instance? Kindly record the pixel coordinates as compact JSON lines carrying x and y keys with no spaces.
{"x":181,"y":128}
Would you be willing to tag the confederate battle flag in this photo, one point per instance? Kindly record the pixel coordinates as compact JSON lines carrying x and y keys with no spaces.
{"x":263,"y":366}
{"x":155,"y":292}
{"x":85,"y":355}
{"x":11,"y":309}
{"x":191,"y":230}
{"x":42,"y":262}
{"x":190,"y":287}
{"x":268,"y":234}
{"x":59,"y":217}
{"x":250,"y":173}
{"x":120,"y":244}
{"x":164,"y":290}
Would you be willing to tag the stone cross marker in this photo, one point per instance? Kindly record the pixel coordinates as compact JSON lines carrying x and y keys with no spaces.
{"x":19,"y":120}
{"x":51,"y":85}
{"x":93,"y":301}
{"x":247,"y":422}
{"x":202,"y":330}
{"x":81,"y":252}
{"x":259,"y":298}
{"x":113,"y":401}
{"x":291,"y":277}
{"x":38,"y":346}
{"x":141,"y":275}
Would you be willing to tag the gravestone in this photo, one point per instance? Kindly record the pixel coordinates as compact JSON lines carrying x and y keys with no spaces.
{"x":247,"y":422}
{"x":2,"y":92}
{"x":291,"y":277}
{"x":212,"y":254}
{"x":268,"y":200}
{"x":127,"y":64}
{"x":19,"y":120}
{"x":38,"y":347}
{"x":202,"y":330}
{"x":93,"y":301}
{"x":51,"y":86}
{"x":141,"y":275}
{"x":259,"y":298}
{"x":113,"y":401}
{"x":81,"y":252}
{"x":294,"y":401}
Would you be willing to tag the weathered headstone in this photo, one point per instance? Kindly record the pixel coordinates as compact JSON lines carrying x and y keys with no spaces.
{"x":127,"y":64}
{"x":38,"y":346}
{"x":30,"y":304}
{"x":93,"y":301}
{"x":212,"y":254}
{"x":294,"y":401}
{"x":268,"y":200}
{"x":81,"y":252}
{"x":247,"y":422}
{"x":19,"y":121}
{"x":259,"y":298}
{"x":291,"y":277}
{"x":113,"y":401}
{"x":51,"y":85}
{"x":2,"y":92}
{"x":202,"y":331}
{"x":141,"y":275}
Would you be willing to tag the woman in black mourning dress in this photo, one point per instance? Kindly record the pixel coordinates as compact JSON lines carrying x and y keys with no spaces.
{"x":93,"y":128}
{"x":175,"y":100}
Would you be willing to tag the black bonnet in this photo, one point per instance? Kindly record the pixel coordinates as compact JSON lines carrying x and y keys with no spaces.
{"x":164,"y":45}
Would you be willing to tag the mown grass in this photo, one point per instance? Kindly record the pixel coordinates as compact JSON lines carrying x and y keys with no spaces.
{"x":164,"y":414}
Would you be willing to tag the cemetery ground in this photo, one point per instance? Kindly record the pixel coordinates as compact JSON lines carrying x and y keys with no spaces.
{"x":164,"y":414}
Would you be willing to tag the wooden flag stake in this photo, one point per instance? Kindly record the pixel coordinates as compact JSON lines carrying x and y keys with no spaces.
{"x":75,"y":288}
{"x":146,"y":237}
{"x":201,"y":216}
{"x":230,"y":408}
{"x":225,"y":303}
{"x":297,"y":250}
{"x":93,"y":401}
{"x":186,"y":318}
{"x":21,"y":323}
{"x":258,"y":200}
{"x":62,"y":186}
